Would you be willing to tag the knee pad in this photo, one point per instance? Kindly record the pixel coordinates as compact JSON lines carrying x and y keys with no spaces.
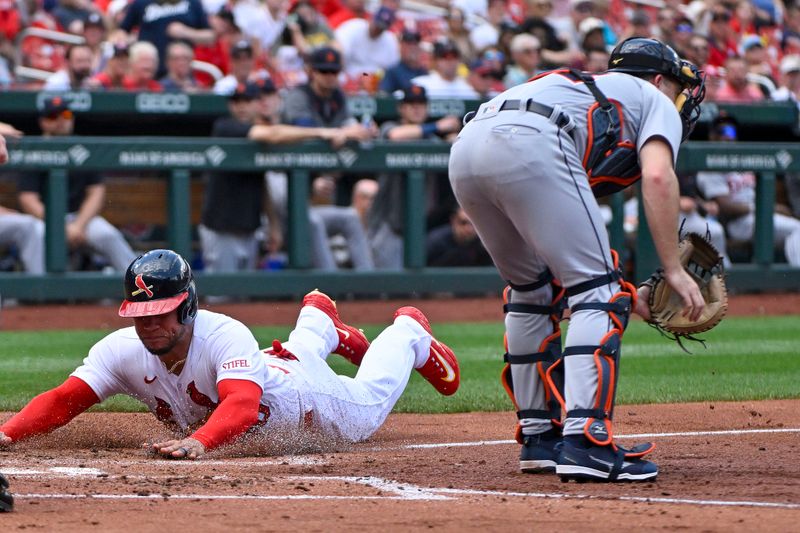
{"x":598,"y":428}
{"x":548,"y":354}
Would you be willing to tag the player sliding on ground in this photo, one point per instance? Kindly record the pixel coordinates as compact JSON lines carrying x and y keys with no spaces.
{"x":203,"y":374}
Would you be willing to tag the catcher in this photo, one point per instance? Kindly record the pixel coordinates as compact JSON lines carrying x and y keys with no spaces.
{"x":536,"y":157}
{"x":203,"y":375}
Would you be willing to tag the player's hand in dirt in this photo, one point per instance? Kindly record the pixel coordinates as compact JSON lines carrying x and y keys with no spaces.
{"x":5,"y":440}
{"x":179,"y":449}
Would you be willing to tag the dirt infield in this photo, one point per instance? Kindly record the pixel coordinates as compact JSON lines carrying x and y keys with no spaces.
{"x":724,"y":466}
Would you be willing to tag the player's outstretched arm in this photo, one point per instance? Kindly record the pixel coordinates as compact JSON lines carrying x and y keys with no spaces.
{"x":48,"y":411}
{"x":661,"y":196}
{"x":237,"y":412}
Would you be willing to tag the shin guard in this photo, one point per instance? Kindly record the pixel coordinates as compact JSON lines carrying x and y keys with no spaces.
{"x":543,"y":360}
{"x":598,"y":428}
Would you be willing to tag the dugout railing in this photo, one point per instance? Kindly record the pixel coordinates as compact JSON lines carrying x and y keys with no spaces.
{"x":179,"y":157}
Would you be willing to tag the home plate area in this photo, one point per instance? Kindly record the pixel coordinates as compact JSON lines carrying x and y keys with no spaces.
{"x":728,"y":466}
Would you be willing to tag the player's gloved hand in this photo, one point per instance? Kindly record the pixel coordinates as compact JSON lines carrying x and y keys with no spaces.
{"x":683,"y":284}
{"x":5,"y":440}
{"x":179,"y":449}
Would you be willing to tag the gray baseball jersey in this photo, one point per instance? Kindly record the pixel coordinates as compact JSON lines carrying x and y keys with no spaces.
{"x":520,"y":178}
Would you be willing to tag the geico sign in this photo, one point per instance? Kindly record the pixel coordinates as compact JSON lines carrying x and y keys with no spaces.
{"x":162,"y":103}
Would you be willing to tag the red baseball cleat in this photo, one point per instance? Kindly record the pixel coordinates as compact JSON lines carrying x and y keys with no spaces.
{"x":353,"y":343}
{"x":441,"y":368}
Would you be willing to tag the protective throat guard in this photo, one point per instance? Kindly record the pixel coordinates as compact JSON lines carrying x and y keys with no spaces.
{"x":688,"y":101}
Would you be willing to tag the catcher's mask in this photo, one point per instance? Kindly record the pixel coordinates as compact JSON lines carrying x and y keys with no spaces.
{"x":158,"y":282}
{"x":639,"y":55}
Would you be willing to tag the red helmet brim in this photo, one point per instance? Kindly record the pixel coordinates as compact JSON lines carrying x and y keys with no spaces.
{"x":161,"y":306}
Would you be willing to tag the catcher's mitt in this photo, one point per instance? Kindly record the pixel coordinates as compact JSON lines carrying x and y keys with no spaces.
{"x":704,"y":263}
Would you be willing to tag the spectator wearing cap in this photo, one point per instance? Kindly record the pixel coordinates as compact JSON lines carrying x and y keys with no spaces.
{"x":94,"y":32}
{"x":113,"y":74}
{"x":591,"y":34}
{"x":242,"y":64}
{"x":721,"y":37}
{"x":444,"y":81}
{"x":142,"y":68}
{"x":737,"y":88}
{"x":321,"y":101}
{"x":161,"y":21}
{"x":789,"y":82}
{"x":386,"y":221}
{"x":261,"y":21}
{"x":85,"y":228}
{"x":368,"y":47}
{"x":487,"y":33}
{"x":179,"y":78}
{"x":75,"y":75}
{"x":525,"y":57}
{"x":752,"y":48}
{"x":485,"y":79}
{"x":410,"y":66}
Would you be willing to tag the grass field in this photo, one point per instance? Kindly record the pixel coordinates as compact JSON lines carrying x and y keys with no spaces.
{"x":747,"y":359}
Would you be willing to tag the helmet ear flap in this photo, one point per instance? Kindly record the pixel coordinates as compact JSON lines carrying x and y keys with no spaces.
{"x":188,"y":309}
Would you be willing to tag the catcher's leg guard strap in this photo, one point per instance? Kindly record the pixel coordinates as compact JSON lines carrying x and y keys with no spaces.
{"x":524,"y":373}
{"x":605,"y":354}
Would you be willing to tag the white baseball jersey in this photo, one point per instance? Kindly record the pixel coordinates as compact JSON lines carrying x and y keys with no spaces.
{"x":221,"y":348}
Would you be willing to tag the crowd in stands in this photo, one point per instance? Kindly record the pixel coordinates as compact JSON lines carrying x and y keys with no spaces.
{"x":287,"y":68}
{"x":749,"y":49}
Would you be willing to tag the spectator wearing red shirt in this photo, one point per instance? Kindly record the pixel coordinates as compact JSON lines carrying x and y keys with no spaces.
{"x":143,"y":68}
{"x":218,"y":53}
{"x":349,"y":9}
{"x":736,"y":88}
{"x":721,"y":37}
{"x":114,"y":71}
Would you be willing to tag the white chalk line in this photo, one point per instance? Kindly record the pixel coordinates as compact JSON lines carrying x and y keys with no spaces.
{"x":632,"y":436}
{"x":406,"y":491}
{"x":398,"y":491}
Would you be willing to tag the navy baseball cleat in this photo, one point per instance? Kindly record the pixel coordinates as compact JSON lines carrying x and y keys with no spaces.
{"x":583,"y":461}
{"x":6,"y":499}
{"x":540,"y":452}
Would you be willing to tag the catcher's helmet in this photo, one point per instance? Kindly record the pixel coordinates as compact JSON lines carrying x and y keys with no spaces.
{"x":157,"y":282}
{"x":639,"y":55}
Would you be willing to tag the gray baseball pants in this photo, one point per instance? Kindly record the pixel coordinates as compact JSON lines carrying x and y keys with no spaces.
{"x":521,"y":181}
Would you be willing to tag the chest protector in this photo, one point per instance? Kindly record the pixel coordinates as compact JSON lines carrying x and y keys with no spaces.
{"x":610,"y":161}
